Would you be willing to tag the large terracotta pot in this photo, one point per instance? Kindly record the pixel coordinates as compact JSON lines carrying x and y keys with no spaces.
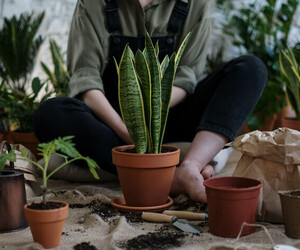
{"x":12,"y":200}
{"x":47,"y":225}
{"x":230,"y":202}
{"x":291,"y":123}
{"x":290,"y":204}
{"x":267,"y":126}
{"x":145,"y":179}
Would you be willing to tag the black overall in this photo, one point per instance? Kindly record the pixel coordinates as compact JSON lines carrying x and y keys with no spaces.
{"x":220,"y":103}
{"x":118,"y":42}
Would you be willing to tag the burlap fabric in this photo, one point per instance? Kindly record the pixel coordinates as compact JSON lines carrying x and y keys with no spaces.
{"x":93,"y":221}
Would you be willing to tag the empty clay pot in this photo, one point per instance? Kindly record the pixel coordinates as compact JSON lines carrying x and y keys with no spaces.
{"x":231,"y":201}
{"x":290,"y":204}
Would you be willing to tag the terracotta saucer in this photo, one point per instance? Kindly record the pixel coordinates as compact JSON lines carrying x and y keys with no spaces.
{"x":119,"y":203}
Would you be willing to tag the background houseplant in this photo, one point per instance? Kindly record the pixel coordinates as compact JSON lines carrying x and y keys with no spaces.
{"x":47,"y":213}
{"x":290,"y":68}
{"x":262,"y":29}
{"x":19,"y":45}
{"x":59,"y":77}
{"x":17,"y":112}
{"x":145,"y":88}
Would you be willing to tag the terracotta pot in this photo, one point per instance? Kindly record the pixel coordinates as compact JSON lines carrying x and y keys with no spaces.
{"x":47,"y":225}
{"x":292,"y":123}
{"x":12,"y":200}
{"x":267,"y":126}
{"x":145,"y":179}
{"x":28,"y":140}
{"x":290,"y":205}
{"x":285,"y":112}
{"x":231,"y":201}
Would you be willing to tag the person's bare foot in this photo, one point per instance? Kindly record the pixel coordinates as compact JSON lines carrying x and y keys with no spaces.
{"x":189,"y":180}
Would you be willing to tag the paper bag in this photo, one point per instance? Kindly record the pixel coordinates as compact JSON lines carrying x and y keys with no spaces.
{"x":272,"y":157}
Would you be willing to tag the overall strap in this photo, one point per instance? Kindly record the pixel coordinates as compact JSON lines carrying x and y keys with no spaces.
{"x":178,"y":16}
{"x":112,"y":14}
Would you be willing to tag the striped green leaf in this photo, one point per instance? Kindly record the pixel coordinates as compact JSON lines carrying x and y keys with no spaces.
{"x":181,"y":49}
{"x":166,"y":91}
{"x":154,"y":67}
{"x":143,"y":73}
{"x":290,"y":69}
{"x":131,"y":101}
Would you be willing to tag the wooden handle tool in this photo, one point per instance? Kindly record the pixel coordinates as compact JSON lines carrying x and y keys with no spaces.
{"x":181,"y":224}
{"x":187,"y":215}
{"x":157,"y":217}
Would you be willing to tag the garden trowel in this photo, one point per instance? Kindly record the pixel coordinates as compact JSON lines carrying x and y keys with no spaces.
{"x":182,"y":224}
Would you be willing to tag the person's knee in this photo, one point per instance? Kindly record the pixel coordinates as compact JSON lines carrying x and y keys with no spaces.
{"x":251,"y":71}
{"x":47,"y":113}
{"x":52,"y":105}
{"x":255,"y":67}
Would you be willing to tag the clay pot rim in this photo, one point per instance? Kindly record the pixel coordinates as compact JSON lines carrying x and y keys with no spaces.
{"x":120,"y":150}
{"x":288,"y":193}
{"x":224,"y":188}
{"x":46,"y":210}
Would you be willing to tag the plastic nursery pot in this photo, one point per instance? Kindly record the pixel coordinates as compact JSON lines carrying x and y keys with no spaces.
{"x":145,"y":179}
{"x":12,"y":200}
{"x":290,"y":205}
{"x":231,"y":201}
{"x":47,"y":225}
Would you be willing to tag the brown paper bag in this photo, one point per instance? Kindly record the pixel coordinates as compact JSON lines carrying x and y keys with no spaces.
{"x":272,"y":157}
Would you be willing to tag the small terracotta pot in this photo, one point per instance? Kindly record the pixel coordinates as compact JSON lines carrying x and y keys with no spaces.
{"x":231,"y":201}
{"x":290,"y":204}
{"x":145,"y":179}
{"x":12,"y":200}
{"x":292,"y":123}
{"x":47,"y":225}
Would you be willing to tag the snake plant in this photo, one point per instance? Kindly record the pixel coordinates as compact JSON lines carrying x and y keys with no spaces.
{"x":290,"y":69}
{"x":144,"y":91}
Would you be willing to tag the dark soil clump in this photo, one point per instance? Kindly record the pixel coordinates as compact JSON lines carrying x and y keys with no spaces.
{"x":185,"y":205}
{"x":154,"y":241}
{"x":84,"y":246}
{"x":133,"y":217}
{"x":104,"y":210}
{"x":49,"y":205}
{"x":77,"y":205}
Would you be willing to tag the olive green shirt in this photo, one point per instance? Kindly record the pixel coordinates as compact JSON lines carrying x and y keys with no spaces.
{"x":88,"y":46}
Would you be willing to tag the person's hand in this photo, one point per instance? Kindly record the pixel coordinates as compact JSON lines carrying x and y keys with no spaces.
{"x":189,"y":180}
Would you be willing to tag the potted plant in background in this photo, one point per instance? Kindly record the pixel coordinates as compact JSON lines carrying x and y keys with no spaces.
{"x":18,"y":49}
{"x":59,"y":77}
{"x":290,"y":69}
{"x":146,"y":169}
{"x":19,"y":111}
{"x":46,"y":218}
{"x":262,"y":29}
